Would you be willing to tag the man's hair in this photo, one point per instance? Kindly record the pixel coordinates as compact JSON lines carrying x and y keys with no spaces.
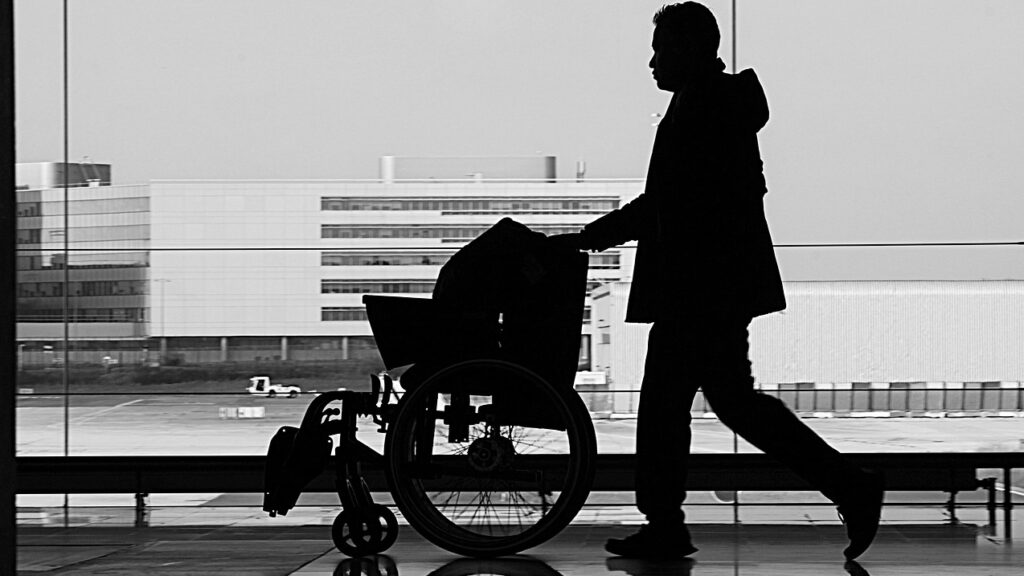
{"x":691,"y":20}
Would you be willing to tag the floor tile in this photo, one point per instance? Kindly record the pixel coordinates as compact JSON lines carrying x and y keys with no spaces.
{"x":770,"y":540}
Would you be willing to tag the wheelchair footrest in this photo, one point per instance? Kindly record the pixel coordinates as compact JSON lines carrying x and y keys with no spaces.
{"x":294,"y":458}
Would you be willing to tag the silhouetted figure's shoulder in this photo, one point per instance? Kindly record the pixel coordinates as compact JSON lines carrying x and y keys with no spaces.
{"x":722,"y":101}
{"x":748,"y":98}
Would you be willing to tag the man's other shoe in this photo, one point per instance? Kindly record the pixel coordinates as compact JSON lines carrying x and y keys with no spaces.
{"x":654,"y":541}
{"x":861,"y":514}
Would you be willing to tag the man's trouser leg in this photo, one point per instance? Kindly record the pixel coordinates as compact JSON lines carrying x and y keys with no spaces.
{"x":764,"y":420}
{"x":663,"y":426}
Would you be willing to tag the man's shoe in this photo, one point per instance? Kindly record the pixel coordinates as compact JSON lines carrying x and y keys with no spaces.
{"x":653,"y":541}
{"x":854,"y":569}
{"x":862,"y":513}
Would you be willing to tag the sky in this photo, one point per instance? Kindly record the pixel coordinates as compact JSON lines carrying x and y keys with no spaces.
{"x":892,"y":120}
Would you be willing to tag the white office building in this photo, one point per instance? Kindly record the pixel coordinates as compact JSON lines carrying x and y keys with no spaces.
{"x":279,"y":268}
{"x":276,"y":269}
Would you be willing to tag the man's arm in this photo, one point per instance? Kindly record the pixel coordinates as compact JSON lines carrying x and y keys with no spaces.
{"x":618,"y":226}
{"x":614,"y":228}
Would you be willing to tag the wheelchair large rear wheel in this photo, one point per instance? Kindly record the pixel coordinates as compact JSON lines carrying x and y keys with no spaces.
{"x":486,"y":458}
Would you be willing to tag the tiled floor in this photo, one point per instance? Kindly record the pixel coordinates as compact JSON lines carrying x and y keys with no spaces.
{"x":791,"y":540}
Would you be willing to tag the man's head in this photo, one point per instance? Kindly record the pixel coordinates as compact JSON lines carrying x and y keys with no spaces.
{"x":685,"y":44}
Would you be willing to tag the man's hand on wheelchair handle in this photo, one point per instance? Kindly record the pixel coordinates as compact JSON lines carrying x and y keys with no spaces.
{"x":573,"y":241}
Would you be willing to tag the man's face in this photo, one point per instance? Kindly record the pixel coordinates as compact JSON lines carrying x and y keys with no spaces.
{"x":673,"y":60}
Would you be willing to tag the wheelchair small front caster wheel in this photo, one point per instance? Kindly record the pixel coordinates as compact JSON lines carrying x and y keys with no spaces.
{"x":388,"y":524}
{"x":370,"y":531}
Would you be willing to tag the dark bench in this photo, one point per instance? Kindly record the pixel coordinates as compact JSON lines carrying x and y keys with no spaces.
{"x":943,"y":472}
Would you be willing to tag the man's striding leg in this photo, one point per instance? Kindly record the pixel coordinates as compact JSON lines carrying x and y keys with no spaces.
{"x":662,"y":449}
{"x":768,"y":424}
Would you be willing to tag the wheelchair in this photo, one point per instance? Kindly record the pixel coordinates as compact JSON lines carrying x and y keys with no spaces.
{"x":489,"y":450}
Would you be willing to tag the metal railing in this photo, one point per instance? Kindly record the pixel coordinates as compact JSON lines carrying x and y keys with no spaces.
{"x":949,"y":472}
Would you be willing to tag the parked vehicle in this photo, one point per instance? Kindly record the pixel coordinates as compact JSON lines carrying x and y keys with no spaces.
{"x":261,"y":386}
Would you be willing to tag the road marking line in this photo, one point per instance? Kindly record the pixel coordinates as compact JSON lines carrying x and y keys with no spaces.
{"x":1013,"y":489}
{"x":79,"y":419}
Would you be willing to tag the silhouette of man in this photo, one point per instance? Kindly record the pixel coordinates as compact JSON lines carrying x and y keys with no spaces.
{"x":704,"y":268}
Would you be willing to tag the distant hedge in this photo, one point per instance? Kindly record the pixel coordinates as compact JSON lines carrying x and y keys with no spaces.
{"x":235,"y":372}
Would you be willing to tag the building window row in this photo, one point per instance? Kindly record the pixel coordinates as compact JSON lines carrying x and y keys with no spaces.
{"x":392,"y":287}
{"x":383,"y":259}
{"x":443,"y":233}
{"x":607,"y":261}
{"x":76,"y":207}
{"x":89,"y":288}
{"x":351,"y":314}
{"x":29,"y":236}
{"x":85,"y":261}
{"x":29,"y":209}
{"x":375,"y":287}
{"x":86,"y":234}
{"x":340,"y":314}
{"x":84,"y":315}
{"x":475,"y":205}
{"x":30,"y":263}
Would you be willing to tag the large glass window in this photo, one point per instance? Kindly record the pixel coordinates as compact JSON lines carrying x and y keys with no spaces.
{"x":216,"y":205}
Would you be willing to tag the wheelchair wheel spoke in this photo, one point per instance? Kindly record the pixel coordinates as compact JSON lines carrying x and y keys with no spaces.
{"x":460,"y":472}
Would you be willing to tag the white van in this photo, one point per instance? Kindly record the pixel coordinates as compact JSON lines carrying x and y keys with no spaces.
{"x":261,"y":386}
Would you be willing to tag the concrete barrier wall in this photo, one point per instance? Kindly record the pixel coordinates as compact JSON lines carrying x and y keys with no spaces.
{"x":891,"y":399}
{"x":857,"y":399}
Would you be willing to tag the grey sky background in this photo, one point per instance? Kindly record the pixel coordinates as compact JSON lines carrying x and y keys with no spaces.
{"x":892,"y":120}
